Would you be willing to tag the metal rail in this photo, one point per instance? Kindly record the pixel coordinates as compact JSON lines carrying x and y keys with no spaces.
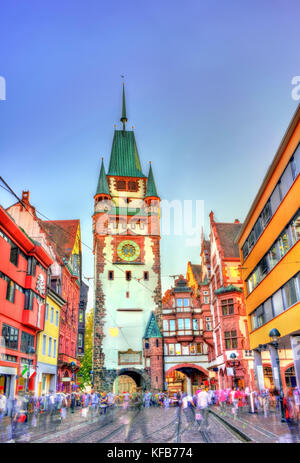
{"x":233,"y":429}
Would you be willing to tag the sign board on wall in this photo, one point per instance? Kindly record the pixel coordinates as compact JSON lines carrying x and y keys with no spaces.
{"x":130,"y":357}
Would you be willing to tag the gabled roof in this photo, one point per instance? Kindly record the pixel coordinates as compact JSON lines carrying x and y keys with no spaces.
{"x":151,"y":187}
{"x":196,"y":269}
{"x":102,"y":187}
{"x":124,"y":158}
{"x":152,"y":330}
{"x":227,"y":233}
{"x":63,"y":235}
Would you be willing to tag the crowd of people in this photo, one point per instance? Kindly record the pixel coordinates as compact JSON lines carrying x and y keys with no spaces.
{"x":52,"y":409}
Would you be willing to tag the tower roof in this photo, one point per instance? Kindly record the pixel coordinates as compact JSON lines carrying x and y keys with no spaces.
{"x":151,"y":187}
{"x":123,"y":117}
{"x":152,"y":329}
{"x":102,"y":187}
{"x":124,"y":158}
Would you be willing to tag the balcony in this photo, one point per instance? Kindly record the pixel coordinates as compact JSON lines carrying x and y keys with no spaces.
{"x":64,"y":359}
{"x":184,"y":309}
{"x":30,"y":318}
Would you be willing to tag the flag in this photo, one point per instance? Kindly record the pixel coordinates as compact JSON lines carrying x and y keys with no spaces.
{"x":24,"y":370}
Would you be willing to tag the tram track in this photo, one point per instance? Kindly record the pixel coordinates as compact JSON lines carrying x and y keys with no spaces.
{"x":236,"y":432}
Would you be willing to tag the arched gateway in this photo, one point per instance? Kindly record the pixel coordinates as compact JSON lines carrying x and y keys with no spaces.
{"x":131,"y":380}
{"x":186,"y":377}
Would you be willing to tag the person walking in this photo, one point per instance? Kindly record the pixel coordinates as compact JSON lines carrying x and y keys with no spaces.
{"x":187,"y":406}
{"x":202,"y":409}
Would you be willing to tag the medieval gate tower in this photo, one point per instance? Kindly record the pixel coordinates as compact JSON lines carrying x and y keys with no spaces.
{"x":127,"y":278}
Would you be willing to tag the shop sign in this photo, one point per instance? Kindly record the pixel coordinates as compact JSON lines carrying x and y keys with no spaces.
{"x":64,"y":380}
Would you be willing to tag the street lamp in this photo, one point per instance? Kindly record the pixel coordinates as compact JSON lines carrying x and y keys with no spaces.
{"x":233,"y":357}
{"x":92,"y":378}
{"x":274,"y":336}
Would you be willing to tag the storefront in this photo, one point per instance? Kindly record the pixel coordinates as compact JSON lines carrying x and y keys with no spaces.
{"x":7,"y":384}
{"x":45,"y":378}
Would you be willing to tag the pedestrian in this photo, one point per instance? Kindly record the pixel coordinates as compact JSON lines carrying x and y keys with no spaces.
{"x":202,"y":409}
{"x":187,"y":406}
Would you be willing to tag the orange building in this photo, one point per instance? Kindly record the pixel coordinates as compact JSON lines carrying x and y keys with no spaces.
{"x":270,"y":255}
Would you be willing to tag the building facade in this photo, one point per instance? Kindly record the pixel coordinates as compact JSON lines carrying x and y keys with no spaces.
{"x":62,"y":241}
{"x":127,"y":278}
{"x":229,"y":321}
{"x":84,"y":289}
{"x":47,"y":344}
{"x":269,"y":250}
{"x":23,"y":277}
{"x":186,"y":338}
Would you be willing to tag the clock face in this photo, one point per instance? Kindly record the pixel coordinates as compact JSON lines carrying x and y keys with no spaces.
{"x":128,"y":250}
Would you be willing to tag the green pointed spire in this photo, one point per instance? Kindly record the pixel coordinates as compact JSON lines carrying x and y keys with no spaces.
{"x":102,"y":187}
{"x":124,"y":117}
{"x":152,"y":329}
{"x":151,"y":187}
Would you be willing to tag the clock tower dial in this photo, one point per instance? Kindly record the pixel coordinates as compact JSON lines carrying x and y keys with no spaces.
{"x":128,"y":251}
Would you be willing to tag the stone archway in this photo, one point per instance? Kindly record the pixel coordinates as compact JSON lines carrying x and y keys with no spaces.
{"x":186,"y":377}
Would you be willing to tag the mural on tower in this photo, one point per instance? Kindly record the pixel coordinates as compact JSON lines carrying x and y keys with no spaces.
{"x":127,"y":286}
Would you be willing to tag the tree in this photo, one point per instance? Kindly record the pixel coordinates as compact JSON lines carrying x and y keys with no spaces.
{"x":86,"y":363}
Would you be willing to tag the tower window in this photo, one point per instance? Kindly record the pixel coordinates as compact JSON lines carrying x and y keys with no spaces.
{"x":121,"y":185}
{"x":156,"y":343}
{"x":128,"y":275}
{"x":146,"y":276}
{"x":132,"y":186}
{"x":127,"y":294}
{"x":110,"y":275}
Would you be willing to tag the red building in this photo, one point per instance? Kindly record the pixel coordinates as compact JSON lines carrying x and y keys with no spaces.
{"x":23,"y":276}
{"x":61,"y":238}
{"x":230,"y":330}
{"x":187,"y":341}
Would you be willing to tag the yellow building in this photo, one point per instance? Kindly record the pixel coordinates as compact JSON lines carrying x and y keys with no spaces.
{"x":269,"y":244}
{"x":47,"y":345}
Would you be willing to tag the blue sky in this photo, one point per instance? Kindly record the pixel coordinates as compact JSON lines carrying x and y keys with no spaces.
{"x":208,"y":91}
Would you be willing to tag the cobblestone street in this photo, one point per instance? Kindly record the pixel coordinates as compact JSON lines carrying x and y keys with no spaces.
{"x":153,"y":425}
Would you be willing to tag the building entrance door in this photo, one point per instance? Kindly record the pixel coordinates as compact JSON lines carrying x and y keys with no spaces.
{"x":5,"y":382}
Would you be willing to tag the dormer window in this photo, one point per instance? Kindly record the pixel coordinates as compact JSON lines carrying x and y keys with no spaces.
{"x":132,"y":186}
{"x":121,"y":185}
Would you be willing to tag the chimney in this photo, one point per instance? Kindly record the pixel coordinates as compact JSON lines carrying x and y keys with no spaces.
{"x":25,"y":197}
{"x":236,"y":221}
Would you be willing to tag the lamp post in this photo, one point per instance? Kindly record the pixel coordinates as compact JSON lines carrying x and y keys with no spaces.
{"x":73,"y":365}
{"x":274,"y":336}
{"x":92,"y":378}
{"x":233,"y":357}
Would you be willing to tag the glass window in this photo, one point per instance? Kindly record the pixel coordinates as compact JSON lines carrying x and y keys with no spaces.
{"x":286,"y":180}
{"x":47,"y":312}
{"x":56,"y":317}
{"x":31,"y":266}
{"x":178,"y":349}
{"x":171,"y":349}
{"x":195,"y":324}
{"x":257,"y":229}
{"x":80,"y":340}
{"x":80,"y":316}
{"x":192,"y":349}
{"x":266,"y":214}
{"x":199,"y":348}
{"x":274,"y":255}
{"x":27,"y":342}
{"x":14,"y":254}
{"x":52,"y":315}
{"x":284,"y":243}
{"x":172,"y":325}
{"x":268,"y":311}
{"x":275,"y":199}
{"x":179,"y":302}
{"x":54,"y":348}
{"x":187,"y":323}
{"x":44,"y":344}
{"x":263,"y":267}
{"x":11,"y":336}
{"x":180,"y":323}
{"x":206,"y":300}
{"x":277,"y":301}
{"x":165,"y":325}
{"x":297,"y":159}
{"x":49,"y":347}
{"x":186,"y":302}
{"x":208,"y":323}
{"x":251,"y":239}
{"x":245,"y":250}
{"x":295,"y":228}
{"x":10,"y":292}
{"x":290,"y":294}
{"x":253,"y":320}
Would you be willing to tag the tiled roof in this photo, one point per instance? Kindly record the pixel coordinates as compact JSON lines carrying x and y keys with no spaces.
{"x":63,"y":234}
{"x":151,"y":187}
{"x":152,"y":330}
{"x":196,"y":269}
{"x":227,"y":233}
{"x":124,"y":158}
